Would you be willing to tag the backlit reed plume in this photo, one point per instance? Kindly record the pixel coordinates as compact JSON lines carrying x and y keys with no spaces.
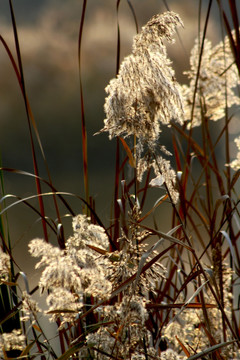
{"x":189,"y":325}
{"x":218,"y":78}
{"x":145,"y":94}
{"x":11,"y":341}
{"x":235,"y":164}
{"x":4,"y":265}
{"x":78,"y":270}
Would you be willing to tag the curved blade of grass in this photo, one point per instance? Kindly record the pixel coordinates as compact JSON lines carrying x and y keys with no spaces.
{"x":129,"y":153}
{"x":49,"y":184}
{"x":227,"y":237}
{"x":191,"y":277}
{"x":157,"y":203}
{"x":58,"y":193}
{"x":189,"y":300}
{"x":221,"y":226}
{"x":149,"y":252}
{"x":134,"y":14}
{"x":24,"y":201}
{"x":211,"y":349}
{"x":27,"y":349}
{"x":72,"y":350}
{"x":168,"y":237}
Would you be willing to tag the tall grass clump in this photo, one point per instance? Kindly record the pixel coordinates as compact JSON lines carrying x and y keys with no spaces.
{"x":129,"y":290}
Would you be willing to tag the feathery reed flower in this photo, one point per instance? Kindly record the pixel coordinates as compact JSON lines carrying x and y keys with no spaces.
{"x":165,"y":174}
{"x":217,"y":79}
{"x":145,"y":92}
{"x":86,"y":234}
{"x":124,"y":264}
{"x":235,"y":164}
{"x":126,"y":336}
{"x":190,"y":326}
{"x":170,"y":354}
{"x":4,"y":265}
{"x":29,"y":307}
{"x":78,"y":270}
{"x":12,"y":341}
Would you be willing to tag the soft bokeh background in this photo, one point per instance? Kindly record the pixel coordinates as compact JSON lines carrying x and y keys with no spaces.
{"x":48,"y":35}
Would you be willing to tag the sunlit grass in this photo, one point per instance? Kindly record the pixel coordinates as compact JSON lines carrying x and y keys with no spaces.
{"x":128,"y":290}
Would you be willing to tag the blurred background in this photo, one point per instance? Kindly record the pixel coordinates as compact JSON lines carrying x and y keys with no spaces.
{"x":48,"y":35}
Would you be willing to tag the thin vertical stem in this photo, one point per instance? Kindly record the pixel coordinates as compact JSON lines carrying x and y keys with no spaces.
{"x":83,"y":123}
{"x":22,"y":83}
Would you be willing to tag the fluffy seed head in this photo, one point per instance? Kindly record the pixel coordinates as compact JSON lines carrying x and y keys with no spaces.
{"x":145,"y":92}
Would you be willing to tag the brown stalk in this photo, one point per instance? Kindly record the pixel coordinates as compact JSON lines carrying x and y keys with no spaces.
{"x":22,"y":85}
{"x":83,"y":122}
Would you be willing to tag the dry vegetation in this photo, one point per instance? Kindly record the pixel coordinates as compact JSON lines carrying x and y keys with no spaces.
{"x":128,"y":290}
